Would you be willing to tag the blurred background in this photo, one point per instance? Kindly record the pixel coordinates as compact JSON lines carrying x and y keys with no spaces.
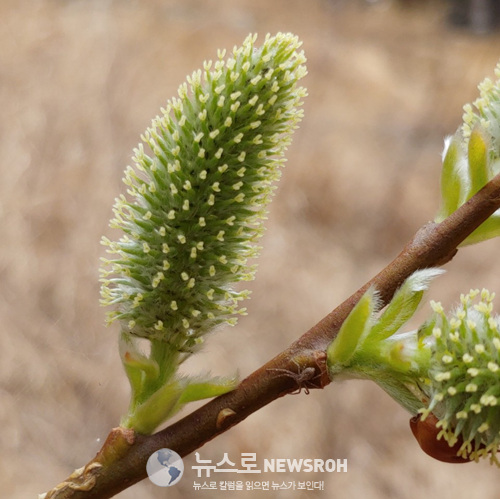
{"x":80,"y":80}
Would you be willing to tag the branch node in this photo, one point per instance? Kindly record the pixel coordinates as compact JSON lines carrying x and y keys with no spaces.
{"x":223,"y":417}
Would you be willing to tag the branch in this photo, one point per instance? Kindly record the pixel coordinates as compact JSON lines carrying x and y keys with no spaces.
{"x":122,"y":460}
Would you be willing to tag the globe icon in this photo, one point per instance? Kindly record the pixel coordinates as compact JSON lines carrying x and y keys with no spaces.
{"x":165,"y":467}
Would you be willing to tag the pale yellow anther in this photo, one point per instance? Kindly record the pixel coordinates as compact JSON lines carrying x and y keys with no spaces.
{"x":271,"y":101}
{"x":476,"y":408}
{"x":467,"y":358}
{"x":437,"y":307}
{"x":442,"y":376}
{"x":479,"y":348}
{"x":157,"y":279}
{"x":137,"y":300}
{"x":256,"y":80}
{"x":483,"y":428}
{"x":493,"y":367}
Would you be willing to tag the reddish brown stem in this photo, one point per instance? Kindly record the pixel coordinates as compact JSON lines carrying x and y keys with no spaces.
{"x":433,"y":245}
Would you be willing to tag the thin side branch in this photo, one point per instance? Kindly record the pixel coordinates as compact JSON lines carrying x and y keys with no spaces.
{"x":122,"y":461}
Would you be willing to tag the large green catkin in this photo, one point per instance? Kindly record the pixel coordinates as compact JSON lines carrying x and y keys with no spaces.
{"x":196,"y":201}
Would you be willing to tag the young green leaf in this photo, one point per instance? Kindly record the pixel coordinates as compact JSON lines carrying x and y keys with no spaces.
{"x":357,"y":325}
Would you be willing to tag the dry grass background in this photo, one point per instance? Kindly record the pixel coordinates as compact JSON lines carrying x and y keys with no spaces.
{"x":80,"y":80}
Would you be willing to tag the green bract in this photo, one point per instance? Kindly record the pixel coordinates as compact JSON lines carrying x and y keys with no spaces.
{"x":196,"y":202}
{"x":450,"y":366}
{"x":369,"y":346}
{"x":472,"y":157}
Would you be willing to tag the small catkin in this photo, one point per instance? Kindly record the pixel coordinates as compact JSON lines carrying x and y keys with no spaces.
{"x":464,"y":375}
